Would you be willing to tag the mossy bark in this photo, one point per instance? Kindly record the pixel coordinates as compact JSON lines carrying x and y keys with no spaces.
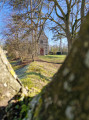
{"x":9,"y":83}
{"x":67,"y":96}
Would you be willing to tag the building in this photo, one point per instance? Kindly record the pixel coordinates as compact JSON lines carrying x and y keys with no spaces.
{"x":43,"y":45}
{"x":42,"y":48}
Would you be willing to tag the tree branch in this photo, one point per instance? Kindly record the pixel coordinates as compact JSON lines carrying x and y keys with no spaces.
{"x":57,"y":4}
{"x":58,"y":14}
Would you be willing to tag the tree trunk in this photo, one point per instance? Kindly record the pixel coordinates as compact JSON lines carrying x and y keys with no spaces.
{"x":82,"y":11}
{"x":36,"y":43}
{"x":67,"y":96}
{"x":69,"y":40}
{"x":69,"y":45}
{"x":68,"y":35}
{"x":9,"y":83}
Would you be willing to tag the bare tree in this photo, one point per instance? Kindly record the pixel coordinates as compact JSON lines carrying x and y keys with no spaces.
{"x":69,"y":15}
{"x":30,"y":20}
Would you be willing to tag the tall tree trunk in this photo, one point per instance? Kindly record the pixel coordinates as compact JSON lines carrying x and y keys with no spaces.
{"x":33,"y":41}
{"x":36,"y":43}
{"x":82,"y":11}
{"x":67,"y":31}
{"x":61,"y":45}
{"x":69,"y":40}
{"x":69,"y":44}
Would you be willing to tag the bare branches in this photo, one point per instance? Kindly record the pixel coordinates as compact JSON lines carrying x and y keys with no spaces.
{"x":58,"y":14}
{"x":58,"y":5}
{"x":2,"y":4}
{"x":65,"y":14}
{"x":69,"y":15}
{"x":74,"y":3}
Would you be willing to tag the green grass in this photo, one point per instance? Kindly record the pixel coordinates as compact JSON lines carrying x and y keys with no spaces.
{"x":35,"y":75}
{"x":15,"y":64}
{"x":38,"y":75}
{"x":53,"y":58}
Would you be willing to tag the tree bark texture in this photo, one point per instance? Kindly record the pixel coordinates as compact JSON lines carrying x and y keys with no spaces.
{"x":9,"y":83}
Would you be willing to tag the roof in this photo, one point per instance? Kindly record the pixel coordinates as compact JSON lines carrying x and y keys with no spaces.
{"x":43,"y":34}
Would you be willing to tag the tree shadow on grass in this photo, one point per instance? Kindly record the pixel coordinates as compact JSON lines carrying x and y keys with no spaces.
{"x":21,"y":71}
{"x":40,"y":60}
{"x":37,"y":74}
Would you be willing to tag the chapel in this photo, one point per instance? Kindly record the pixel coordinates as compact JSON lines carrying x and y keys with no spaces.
{"x":43,"y":45}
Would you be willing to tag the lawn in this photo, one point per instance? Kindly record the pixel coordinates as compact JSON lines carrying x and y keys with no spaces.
{"x":53,"y":58}
{"x":38,"y":75}
{"x":35,"y":75}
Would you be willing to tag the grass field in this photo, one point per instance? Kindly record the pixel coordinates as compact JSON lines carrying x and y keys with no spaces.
{"x":37,"y":74}
{"x":53,"y":58}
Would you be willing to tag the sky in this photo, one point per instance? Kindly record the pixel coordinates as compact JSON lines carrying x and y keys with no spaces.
{"x":4,"y":19}
{"x":4,"y":15}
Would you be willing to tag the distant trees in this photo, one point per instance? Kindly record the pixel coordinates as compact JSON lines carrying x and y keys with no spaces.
{"x":32,"y":15}
{"x":69,"y":15}
{"x":27,"y":24}
{"x":17,"y":44}
{"x":53,"y":49}
{"x":62,"y":49}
